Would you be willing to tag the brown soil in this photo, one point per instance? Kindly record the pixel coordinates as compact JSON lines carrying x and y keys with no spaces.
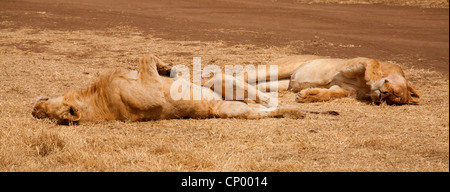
{"x":416,"y":37}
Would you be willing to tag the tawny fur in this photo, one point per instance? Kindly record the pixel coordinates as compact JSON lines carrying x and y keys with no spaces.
{"x":317,"y":79}
{"x":145,"y":95}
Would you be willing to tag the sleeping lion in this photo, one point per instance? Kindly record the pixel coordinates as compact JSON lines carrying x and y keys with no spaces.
{"x":318,"y":79}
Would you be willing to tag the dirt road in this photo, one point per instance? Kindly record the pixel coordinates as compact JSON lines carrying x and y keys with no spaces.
{"x":415,"y":37}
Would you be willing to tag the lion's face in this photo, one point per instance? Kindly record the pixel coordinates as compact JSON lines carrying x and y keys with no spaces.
{"x":56,"y":110}
{"x":394,"y":90}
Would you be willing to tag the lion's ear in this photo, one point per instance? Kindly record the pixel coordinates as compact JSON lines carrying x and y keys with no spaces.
{"x":414,"y":96}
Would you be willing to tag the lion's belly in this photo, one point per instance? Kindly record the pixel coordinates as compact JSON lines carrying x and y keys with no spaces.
{"x":194,"y":103}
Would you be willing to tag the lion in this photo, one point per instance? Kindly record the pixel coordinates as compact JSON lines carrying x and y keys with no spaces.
{"x":145,"y":95}
{"x":318,"y":79}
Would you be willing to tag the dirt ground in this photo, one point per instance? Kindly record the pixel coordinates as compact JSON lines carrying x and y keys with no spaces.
{"x":49,"y":48}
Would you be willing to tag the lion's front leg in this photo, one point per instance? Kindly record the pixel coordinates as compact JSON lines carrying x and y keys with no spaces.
{"x":321,"y":94}
{"x":159,"y":66}
{"x":147,"y":92}
{"x":164,"y":69}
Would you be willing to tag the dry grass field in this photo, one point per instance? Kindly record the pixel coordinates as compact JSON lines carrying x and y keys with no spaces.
{"x":364,"y":137}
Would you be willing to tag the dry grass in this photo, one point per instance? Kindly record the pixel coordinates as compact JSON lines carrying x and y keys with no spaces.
{"x":418,"y":3}
{"x":47,"y":62}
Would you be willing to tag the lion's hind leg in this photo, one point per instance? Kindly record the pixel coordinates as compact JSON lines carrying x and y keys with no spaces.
{"x":321,"y":94}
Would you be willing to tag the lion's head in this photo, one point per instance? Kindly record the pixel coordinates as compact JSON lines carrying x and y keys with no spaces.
{"x":394,"y":90}
{"x":57,"y":110}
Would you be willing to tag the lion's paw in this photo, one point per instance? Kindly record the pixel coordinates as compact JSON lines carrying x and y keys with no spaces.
{"x":302,"y":97}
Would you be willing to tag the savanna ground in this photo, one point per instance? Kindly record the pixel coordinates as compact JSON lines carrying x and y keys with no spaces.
{"x":49,"y":49}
